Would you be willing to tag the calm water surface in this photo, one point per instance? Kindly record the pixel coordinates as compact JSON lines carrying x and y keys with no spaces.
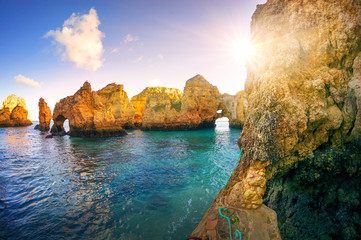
{"x":146,"y":185}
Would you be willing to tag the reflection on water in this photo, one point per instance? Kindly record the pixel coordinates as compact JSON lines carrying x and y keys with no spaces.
{"x":146,"y":185}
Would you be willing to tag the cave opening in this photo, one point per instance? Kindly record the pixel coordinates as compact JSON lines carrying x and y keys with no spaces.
{"x":222,"y":122}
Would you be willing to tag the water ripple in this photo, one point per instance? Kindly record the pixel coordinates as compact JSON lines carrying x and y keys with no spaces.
{"x":146,"y":185}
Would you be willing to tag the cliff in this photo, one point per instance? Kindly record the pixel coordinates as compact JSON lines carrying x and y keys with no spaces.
{"x":236,"y":106}
{"x":14,"y":113}
{"x":94,"y":114}
{"x":151,"y":96}
{"x":196,"y":108}
{"x":44,"y":116}
{"x":303,"y":119}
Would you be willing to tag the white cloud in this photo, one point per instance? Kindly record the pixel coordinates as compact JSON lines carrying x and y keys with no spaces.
{"x":114,"y":50}
{"x":81,"y":39}
{"x":155,"y":83}
{"x":160,"y":56}
{"x":129,"y":38}
{"x":139,"y":59}
{"x":26,"y":81}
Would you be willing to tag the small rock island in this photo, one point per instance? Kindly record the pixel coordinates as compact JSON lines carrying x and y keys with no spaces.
{"x":13,"y":112}
{"x":108,"y":112}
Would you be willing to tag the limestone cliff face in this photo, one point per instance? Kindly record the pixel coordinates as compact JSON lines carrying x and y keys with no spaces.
{"x":235,"y":108}
{"x":14,"y":113}
{"x":303,"y":119}
{"x":44,"y":116}
{"x":94,"y":114}
{"x":197,"y":108}
{"x":163,"y":97}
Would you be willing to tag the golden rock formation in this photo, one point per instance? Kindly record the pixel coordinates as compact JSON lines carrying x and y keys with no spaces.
{"x":303,"y":120}
{"x":154,"y":95}
{"x":14,"y":113}
{"x":94,"y":114}
{"x":44,"y":116}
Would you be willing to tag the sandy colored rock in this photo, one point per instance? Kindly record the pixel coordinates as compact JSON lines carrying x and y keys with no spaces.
{"x":253,"y":224}
{"x":94,"y":114}
{"x":152,"y":97}
{"x":14,"y":113}
{"x":196,"y":108}
{"x":44,"y":116}
{"x":235,"y":108}
{"x":303,"y":117}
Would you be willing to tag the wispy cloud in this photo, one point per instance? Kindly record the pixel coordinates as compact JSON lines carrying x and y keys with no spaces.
{"x":81,"y":39}
{"x":155,"y":83}
{"x":114,"y":50}
{"x":130,"y":38}
{"x":139,"y":59}
{"x":160,"y":56}
{"x":26,"y":81}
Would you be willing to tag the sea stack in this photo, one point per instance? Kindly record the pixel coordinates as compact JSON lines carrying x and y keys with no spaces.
{"x":302,"y":129}
{"x":14,"y":113}
{"x":94,"y":113}
{"x":44,"y":116}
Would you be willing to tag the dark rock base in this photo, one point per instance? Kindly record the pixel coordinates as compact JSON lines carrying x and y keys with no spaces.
{"x":98,"y":133}
{"x":319,"y":198}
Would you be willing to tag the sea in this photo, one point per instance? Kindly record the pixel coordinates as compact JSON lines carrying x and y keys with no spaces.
{"x":145,"y":185}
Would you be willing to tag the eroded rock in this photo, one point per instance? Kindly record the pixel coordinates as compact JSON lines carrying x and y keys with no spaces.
{"x":159,"y":103}
{"x":303,"y":117}
{"x":14,"y":113}
{"x":44,"y":116}
{"x":94,"y":114}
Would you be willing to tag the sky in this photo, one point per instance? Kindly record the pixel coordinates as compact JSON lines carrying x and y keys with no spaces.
{"x":50,"y":48}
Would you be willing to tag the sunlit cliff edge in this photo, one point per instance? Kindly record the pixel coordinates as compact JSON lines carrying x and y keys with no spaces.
{"x":301,"y":136}
{"x":13,"y":112}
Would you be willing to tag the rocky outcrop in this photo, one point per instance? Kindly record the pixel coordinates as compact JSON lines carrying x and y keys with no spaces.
{"x":303,"y":119}
{"x":168,"y":98}
{"x":168,"y":109}
{"x":94,"y":113}
{"x":14,"y":113}
{"x":44,"y":116}
{"x":235,"y":108}
{"x":196,"y":108}
{"x":253,"y":224}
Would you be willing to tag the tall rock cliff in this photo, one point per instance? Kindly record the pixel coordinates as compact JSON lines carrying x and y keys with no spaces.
{"x":196,"y":108}
{"x":303,"y":120}
{"x":14,"y":113}
{"x":44,"y":116}
{"x":94,"y":114}
{"x":166,"y":99}
{"x":235,"y":108}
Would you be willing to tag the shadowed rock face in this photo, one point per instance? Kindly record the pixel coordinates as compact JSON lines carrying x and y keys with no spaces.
{"x":44,"y":116}
{"x":14,"y":113}
{"x":303,"y":119}
{"x":94,"y":114}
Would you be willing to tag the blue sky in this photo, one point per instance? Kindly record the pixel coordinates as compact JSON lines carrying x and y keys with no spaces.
{"x":135,"y":43}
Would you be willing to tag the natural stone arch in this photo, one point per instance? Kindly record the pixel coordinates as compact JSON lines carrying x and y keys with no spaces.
{"x":58,"y":127}
{"x":225,"y":112}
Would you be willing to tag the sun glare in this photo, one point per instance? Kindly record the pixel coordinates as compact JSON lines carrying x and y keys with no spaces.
{"x":241,"y":50}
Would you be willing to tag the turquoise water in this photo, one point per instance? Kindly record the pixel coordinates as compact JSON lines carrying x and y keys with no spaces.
{"x":146,"y":185}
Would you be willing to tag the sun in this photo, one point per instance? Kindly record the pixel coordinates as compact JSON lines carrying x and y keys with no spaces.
{"x":240,"y":50}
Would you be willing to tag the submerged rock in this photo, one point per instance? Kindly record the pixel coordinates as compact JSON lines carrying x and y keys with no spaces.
{"x":14,"y":113}
{"x":303,"y":119}
{"x":44,"y":116}
{"x":94,"y":114}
